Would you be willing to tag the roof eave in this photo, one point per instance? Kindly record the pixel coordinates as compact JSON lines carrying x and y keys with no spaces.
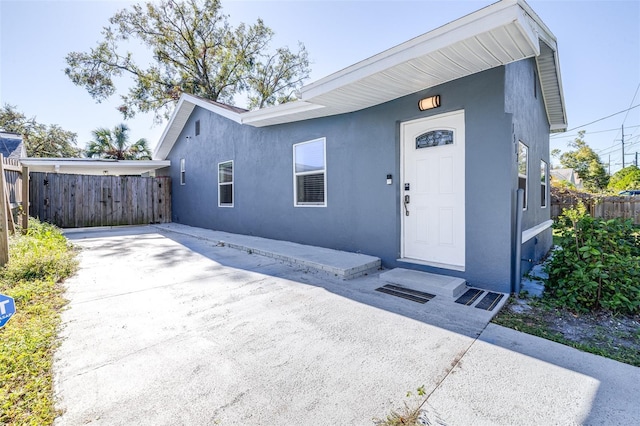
{"x":492,"y":16}
{"x":178,"y":119}
{"x":289,"y":108}
{"x":93,"y":166}
{"x":350,"y":90}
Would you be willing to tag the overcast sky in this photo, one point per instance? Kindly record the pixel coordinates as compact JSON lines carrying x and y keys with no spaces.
{"x":599,"y":46}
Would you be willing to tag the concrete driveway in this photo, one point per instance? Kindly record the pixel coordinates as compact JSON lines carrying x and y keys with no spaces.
{"x":167,"y":329}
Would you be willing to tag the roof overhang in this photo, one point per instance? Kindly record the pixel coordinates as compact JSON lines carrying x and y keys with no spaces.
{"x":504,"y":32}
{"x":82,"y":166}
{"x":179,"y":118}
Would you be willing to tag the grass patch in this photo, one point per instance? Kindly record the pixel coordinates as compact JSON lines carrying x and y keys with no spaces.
{"x":612,"y":336}
{"x":416,"y":413}
{"x":38,"y":262}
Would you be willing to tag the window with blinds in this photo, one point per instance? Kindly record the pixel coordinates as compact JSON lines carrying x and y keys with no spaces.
{"x":309,"y":169}
{"x":225,"y":184}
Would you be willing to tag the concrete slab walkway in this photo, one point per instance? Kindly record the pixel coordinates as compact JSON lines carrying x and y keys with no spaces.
{"x":342,"y":264}
{"x":165,"y":328}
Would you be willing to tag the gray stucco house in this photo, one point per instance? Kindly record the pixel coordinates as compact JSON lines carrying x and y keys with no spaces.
{"x":414,"y":155}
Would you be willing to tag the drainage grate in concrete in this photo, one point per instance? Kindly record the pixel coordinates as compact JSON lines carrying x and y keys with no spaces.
{"x":490,"y":301}
{"x":406,"y":293}
{"x":469,"y":296}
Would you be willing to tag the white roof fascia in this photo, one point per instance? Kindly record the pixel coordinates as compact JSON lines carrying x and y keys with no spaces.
{"x":558,"y":128}
{"x":183,"y":109}
{"x":92,"y":166}
{"x":231,"y":115}
{"x":564,"y":125}
{"x":161,"y":150}
{"x":543,"y":31}
{"x":545,"y":34}
{"x":278,"y":111}
{"x":529,"y":28}
{"x":486,"y":19}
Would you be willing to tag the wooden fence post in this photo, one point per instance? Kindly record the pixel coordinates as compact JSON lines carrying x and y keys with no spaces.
{"x":25,"y":199}
{"x":4,"y":232}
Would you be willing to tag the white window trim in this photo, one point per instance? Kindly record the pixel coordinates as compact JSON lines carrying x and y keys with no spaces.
{"x":233,"y":189}
{"x":183,"y":172}
{"x":526,"y":177}
{"x":324,"y":171}
{"x":546,"y":185}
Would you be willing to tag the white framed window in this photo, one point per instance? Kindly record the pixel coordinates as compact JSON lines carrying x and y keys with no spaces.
{"x":183,"y":172}
{"x":544,"y":181}
{"x":523,"y":154}
{"x":309,"y":174}
{"x":225,"y":184}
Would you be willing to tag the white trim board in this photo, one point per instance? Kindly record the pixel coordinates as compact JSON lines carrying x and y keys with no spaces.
{"x":528,"y":234}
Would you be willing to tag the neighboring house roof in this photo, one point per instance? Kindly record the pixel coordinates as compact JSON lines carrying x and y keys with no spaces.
{"x":496,"y":35}
{"x":568,"y":175}
{"x":11,"y":145}
{"x":93,"y":166}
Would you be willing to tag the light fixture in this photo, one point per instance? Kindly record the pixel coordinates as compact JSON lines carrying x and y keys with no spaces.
{"x":429,"y":103}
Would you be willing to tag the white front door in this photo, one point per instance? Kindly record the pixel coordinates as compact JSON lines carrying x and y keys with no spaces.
{"x":433,"y":191}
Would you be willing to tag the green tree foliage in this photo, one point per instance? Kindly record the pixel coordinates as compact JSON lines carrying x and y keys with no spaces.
{"x":115,"y":145}
{"x":195,"y":50}
{"x":586,"y":163}
{"x":40,"y":140}
{"x":627,"y":178}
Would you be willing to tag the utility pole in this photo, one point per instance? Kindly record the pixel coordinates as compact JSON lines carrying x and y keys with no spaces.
{"x":623,"y":146}
{"x":636,"y":158}
{"x":609,"y":164}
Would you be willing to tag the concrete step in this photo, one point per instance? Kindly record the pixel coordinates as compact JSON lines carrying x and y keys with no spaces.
{"x":345,"y":265}
{"x":440,"y":285}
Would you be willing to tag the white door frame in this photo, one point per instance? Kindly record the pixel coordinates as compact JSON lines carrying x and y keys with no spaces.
{"x":402,"y":192}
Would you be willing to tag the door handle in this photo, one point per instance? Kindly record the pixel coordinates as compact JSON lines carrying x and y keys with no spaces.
{"x":406,"y":201}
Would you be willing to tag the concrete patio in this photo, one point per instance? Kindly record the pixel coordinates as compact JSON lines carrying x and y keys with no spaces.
{"x":166,"y":328}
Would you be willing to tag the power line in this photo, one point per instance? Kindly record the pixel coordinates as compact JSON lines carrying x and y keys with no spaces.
{"x":603,"y":118}
{"x":617,"y":129}
{"x":631,"y":103}
{"x":622,"y":126}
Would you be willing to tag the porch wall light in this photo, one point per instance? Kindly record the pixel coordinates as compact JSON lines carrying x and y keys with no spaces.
{"x":429,"y":103}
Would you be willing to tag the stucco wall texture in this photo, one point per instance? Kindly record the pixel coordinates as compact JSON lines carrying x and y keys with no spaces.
{"x":363,"y":212}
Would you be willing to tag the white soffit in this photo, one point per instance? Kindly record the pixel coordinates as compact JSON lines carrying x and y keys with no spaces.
{"x":551,"y":85}
{"x":496,"y":35}
{"x":79,"y":166}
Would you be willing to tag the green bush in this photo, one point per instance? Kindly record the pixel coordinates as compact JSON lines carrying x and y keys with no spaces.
{"x":38,"y":261}
{"x":598,"y":266}
{"x":40,"y":254}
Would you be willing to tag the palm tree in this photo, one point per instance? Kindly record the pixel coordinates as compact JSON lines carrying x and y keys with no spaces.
{"x":114,"y":144}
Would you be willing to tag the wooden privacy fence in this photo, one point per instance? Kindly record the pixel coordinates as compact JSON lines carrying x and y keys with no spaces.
{"x":13,"y":205}
{"x":14,"y":189}
{"x":605,"y":207}
{"x":74,"y":201}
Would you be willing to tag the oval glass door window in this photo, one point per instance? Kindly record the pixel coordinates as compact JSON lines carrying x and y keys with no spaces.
{"x":434,"y":138}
